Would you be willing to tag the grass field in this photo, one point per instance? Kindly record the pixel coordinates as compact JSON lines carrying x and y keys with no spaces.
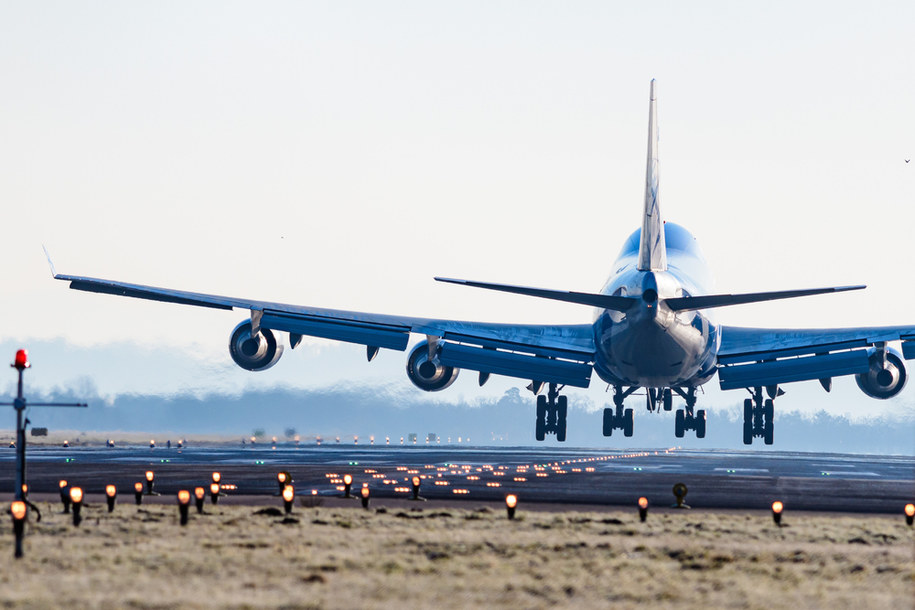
{"x":457,"y":556}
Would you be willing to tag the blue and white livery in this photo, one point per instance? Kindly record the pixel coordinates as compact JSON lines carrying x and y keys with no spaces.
{"x":652,"y":333}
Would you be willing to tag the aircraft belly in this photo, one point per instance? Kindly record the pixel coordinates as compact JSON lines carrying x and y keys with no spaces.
{"x":649,"y":355}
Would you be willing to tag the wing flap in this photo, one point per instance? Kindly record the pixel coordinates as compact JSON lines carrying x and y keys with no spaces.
{"x":517,"y":365}
{"x":789,"y":370}
{"x":364,"y":333}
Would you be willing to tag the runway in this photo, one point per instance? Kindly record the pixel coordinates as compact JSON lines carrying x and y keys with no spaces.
{"x":558,"y":476}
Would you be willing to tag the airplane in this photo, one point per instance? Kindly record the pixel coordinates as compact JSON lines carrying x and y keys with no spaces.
{"x":653,"y":330}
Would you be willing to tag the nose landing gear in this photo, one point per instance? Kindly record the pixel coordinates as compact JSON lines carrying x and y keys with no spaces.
{"x":551,"y":414}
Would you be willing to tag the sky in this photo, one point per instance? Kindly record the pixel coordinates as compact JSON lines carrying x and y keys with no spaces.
{"x":342,"y":154}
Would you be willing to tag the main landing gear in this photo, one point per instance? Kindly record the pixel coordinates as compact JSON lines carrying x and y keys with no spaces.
{"x":758,"y":415}
{"x":622,"y":419}
{"x":687,"y":418}
{"x":551,"y":414}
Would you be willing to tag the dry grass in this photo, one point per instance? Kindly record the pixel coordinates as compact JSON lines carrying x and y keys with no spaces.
{"x":138,"y":557}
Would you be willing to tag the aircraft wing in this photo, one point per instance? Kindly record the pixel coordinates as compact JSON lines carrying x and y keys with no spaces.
{"x":751,"y":357}
{"x":551,"y":353}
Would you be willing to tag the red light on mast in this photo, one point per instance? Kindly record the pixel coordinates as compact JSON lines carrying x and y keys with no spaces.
{"x":22,"y":360}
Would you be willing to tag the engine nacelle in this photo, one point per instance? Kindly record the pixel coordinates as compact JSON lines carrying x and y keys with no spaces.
{"x":883,"y":381}
{"x":429,"y":375}
{"x":254,"y":353}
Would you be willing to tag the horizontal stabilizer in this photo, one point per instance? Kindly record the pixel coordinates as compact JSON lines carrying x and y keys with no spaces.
{"x":722,"y":300}
{"x":582,"y":298}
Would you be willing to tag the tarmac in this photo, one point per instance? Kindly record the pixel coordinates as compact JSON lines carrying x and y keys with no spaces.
{"x":548,"y":478}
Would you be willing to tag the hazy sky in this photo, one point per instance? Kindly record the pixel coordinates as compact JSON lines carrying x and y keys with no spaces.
{"x":341,"y":154}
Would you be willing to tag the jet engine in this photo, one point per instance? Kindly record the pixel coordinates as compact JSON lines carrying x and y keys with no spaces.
{"x":886,"y":377}
{"x":254,"y":352}
{"x":429,"y":374}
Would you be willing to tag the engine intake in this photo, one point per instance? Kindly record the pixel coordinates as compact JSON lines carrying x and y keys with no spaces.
{"x":883,"y":380}
{"x":254,"y":353}
{"x":429,"y":374}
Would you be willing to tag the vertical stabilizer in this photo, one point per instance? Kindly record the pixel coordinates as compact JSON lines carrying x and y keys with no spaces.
{"x":652,"y":251}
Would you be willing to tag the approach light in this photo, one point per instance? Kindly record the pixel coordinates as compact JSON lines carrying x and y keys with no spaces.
{"x":214,"y":492}
{"x":416,"y":481}
{"x":184,"y":501}
{"x":76,"y":497}
{"x":199,"y":494}
{"x":152,"y":443}
{"x":217,"y":477}
{"x":21,"y":362}
{"x":511,"y":503}
{"x":64,"y":495}
{"x":111,"y":493}
{"x":777,"y":508}
{"x":283,"y":479}
{"x":643,"y":508}
{"x":25,"y":490}
{"x":910,"y":513}
{"x":365,"y":497}
{"x":347,"y":484}
{"x":18,"y":509}
{"x":150,"y":481}
{"x":288,"y":497}
{"x":138,"y":492}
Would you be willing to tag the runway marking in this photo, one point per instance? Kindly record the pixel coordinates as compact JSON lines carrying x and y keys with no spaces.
{"x":740,"y":470}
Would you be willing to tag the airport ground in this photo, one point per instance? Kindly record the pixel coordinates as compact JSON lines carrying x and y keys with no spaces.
{"x":576,"y":541}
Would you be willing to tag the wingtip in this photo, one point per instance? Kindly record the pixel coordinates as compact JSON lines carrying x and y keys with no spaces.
{"x":50,"y":262}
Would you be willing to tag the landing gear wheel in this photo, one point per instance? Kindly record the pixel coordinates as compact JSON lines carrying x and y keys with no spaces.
{"x":562,"y":409}
{"x":679,"y":424}
{"x":540,"y":430}
{"x":608,"y":422}
{"x":627,"y":422}
{"x":748,"y":421}
{"x":668,"y":399}
{"x":768,"y":422}
{"x":700,"y":423}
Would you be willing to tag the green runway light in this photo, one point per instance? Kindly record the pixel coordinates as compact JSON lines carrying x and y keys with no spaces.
{"x":259,"y":462}
{"x":636,"y":468}
{"x":825,"y":474}
{"x":68,"y":460}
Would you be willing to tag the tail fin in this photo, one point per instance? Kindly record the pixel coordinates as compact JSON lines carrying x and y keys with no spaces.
{"x":652,"y":249}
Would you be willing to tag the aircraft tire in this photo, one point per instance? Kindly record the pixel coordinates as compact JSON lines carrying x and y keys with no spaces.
{"x":700,"y":423}
{"x":747,"y":433}
{"x":540,"y":428}
{"x":627,"y":422}
{"x":768,"y":410}
{"x":562,"y":409}
{"x":608,"y":421}
{"x":668,"y":399}
{"x":679,"y":424}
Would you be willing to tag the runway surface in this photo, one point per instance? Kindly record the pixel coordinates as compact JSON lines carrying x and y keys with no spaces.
{"x":715,"y":479}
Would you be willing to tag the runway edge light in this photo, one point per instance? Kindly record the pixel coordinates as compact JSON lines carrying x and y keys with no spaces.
{"x":347,"y":485}
{"x":184,"y":501}
{"x":910,"y":513}
{"x":511,"y":503}
{"x":111,"y":494}
{"x":288,"y":497}
{"x":643,"y":509}
{"x":214,"y":492}
{"x":18,"y":510}
{"x":64,"y":495}
{"x":199,"y":495}
{"x":138,"y":492}
{"x":76,"y":498}
{"x":365,"y":497}
{"x":777,"y":508}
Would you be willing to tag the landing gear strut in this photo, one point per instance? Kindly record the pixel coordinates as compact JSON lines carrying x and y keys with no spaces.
{"x":687,"y":418}
{"x":622,"y":419}
{"x":551,"y":414}
{"x":758,"y":416}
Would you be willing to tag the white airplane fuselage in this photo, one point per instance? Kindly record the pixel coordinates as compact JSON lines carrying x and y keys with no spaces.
{"x":650,"y":345}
